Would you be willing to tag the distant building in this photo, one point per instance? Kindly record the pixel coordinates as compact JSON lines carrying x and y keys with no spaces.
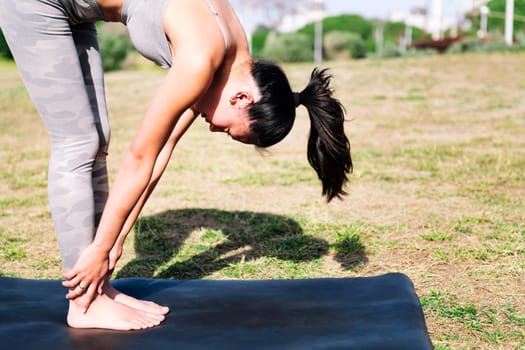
{"x":437,"y":19}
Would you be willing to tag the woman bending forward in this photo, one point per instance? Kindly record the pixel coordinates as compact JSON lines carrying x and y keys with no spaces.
{"x":210,"y":73}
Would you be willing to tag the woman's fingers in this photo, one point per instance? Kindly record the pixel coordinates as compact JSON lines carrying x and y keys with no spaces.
{"x":85,"y":296}
{"x":78,"y":287}
{"x":71,"y":280}
{"x":72,"y":283}
{"x":78,"y":290}
{"x":89,"y":297}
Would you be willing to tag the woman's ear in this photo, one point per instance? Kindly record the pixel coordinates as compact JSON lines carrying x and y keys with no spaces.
{"x":242,"y":99}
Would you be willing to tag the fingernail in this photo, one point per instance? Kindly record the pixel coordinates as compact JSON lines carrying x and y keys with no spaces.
{"x":84,"y":311}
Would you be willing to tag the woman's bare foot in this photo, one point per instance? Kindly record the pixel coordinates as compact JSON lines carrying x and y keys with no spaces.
{"x":144,"y":305}
{"x":107,"y":313}
{"x":130,"y":301}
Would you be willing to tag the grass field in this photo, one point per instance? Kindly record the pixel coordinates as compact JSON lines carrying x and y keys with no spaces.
{"x":438,"y":192}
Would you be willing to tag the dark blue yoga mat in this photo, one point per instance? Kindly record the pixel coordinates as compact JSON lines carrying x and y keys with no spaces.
{"x":380,"y":312}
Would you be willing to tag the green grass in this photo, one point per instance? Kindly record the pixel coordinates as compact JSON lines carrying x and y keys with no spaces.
{"x":171,"y":246}
{"x":437,"y":193}
{"x":13,"y":249}
{"x":484,"y":323}
{"x":22,"y":202}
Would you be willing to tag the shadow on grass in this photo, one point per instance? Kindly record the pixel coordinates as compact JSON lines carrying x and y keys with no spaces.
{"x":349,"y":251}
{"x":225,"y":238}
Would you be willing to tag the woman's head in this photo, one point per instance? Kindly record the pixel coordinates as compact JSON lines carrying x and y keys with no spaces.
{"x":226,"y":103}
{"x":259,"y":107}
{"x":256,"y":107}
{"x":273,"y":115}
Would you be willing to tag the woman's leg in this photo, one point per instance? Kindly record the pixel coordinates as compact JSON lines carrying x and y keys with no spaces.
{"x":78,"y":182}
{"x":56,"y":64}
{"x":43,"y":45}
{"x":86,"y":42}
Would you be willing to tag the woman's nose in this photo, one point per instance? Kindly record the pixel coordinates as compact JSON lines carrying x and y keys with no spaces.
{"x":214,"y":128}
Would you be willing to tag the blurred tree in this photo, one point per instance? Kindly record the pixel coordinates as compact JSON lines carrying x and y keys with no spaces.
{"x":343,"y":45}
{"x":259,"y":39}
{"x":496,"y":17}
{"x":288,"y":47}
{"x":348,"y":23}
{"x":115,"y":45}
{"x":344,"y":23}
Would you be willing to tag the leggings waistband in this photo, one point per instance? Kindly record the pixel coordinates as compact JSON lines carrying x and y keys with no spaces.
{"x":82,"y":11}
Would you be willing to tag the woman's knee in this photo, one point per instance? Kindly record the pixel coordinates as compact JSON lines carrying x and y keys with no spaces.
{"x":77,"y":154}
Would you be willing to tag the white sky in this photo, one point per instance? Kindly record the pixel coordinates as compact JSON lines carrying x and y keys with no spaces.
{"x":380,"y":9}
{"x":383,"y":8}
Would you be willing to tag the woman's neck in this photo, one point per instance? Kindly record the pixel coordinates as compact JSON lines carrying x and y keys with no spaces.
{"x":111,"y":9}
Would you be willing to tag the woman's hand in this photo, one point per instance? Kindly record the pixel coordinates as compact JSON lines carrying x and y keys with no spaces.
{"x":87,"y":276}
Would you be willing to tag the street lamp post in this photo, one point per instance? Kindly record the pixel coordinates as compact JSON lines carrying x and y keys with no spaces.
{"x":438,"y":14}
{"x":509,"y":21}
{"x":484,"y":11}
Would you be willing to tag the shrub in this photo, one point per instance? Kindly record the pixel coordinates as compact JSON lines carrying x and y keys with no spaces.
{"x":114,"y":48}
{"x":464,"y":45}
{"x":346,"y":23}
{"x":493,"y":46}
{"x":390,"y":50}
{"x":494,"y":43}
{"x":418,"y":53}
{"x":258,"y":41}
{"x":340,"y":44}
{"x":496,"y":18}
{"x":520,"y":40}
{"x":498,"y":22}
{"x":289,"y":47}
{"x":4,"y":49}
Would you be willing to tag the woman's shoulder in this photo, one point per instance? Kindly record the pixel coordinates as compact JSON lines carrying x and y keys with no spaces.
{"x":207,"y":26}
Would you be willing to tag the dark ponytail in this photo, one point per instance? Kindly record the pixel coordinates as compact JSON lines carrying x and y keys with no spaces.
{"x":273,"y":116}
{"x":328,"y":147}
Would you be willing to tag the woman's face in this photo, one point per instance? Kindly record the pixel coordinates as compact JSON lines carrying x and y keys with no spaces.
{"x":228,"y":114}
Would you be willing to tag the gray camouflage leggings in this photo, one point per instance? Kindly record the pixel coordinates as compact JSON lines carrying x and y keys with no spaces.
{"x":61,"y":67}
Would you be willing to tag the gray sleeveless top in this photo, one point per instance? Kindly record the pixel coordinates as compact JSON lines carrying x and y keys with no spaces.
{"x":144,"y":21}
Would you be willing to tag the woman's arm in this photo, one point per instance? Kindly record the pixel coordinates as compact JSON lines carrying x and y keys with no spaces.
{"x":160,"y":165}
{"x":188,"y":78}
{"x":184,"y":83}
{"x":197,"y":55}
